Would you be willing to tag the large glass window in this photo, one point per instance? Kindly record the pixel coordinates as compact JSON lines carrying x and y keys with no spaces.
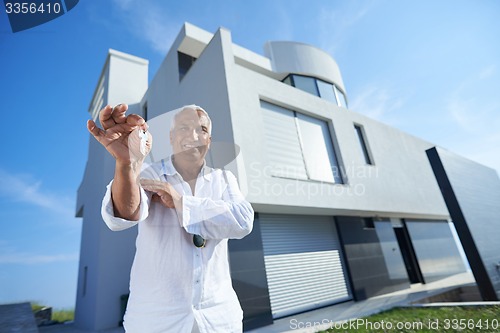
{"x":373,"y":256}
{"x":317,"y":87}
{"x":299,"y":146}
{"x":326,"y":91}
{"x":341,"y":97}
{"x":436,"y":250}
{"x":317,"y":148}
{"x":308,"y":84}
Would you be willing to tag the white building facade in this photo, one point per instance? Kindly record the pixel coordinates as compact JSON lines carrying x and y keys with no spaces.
{"x":346,"y":207}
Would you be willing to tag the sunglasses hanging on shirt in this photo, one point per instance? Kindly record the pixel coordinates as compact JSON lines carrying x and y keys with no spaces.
{"x":199,"y":241}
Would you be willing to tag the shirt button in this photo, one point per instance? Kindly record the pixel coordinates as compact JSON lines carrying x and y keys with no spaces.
{"x":197,"y":281}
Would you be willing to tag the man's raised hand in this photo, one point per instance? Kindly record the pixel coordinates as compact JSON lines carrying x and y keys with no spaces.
{"x":125,"y":137}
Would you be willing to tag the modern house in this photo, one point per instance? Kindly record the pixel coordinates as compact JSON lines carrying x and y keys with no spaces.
{"x":346,"y":207}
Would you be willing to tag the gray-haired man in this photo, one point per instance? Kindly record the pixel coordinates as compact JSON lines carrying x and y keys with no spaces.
{"x":186,"y":212}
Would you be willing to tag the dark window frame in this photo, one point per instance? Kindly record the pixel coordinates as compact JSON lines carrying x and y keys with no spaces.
{"x":365,"y":150}
{"x":184,"y":63}
{"x":145,"y":111}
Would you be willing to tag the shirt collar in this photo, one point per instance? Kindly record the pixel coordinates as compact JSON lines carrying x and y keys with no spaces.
{"x":168,"y":169}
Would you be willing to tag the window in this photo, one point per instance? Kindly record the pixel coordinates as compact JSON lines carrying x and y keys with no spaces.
{"x":98,"y":100}
{"x":282,"y":142}
{"x":84,"y":289}
{"x":317,"y":148}
{"x":437,"y":252}
{"x":362,"y":143}
{"x":185,"y":63}
{"x":317,"y":87}
{"x":326,"y":91}
{"x":145,"y":111}
{"x":368,"y":223}
{"x":288,"y":80}
{"x":299,"y":146}
{"x":308,"y":84}
{"x":341,"y":97}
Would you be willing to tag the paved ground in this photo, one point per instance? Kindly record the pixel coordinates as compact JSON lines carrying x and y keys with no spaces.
{"x":322,"y":318}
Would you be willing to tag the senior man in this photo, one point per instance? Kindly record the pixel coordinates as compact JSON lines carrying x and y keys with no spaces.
{"x":185,"y":211}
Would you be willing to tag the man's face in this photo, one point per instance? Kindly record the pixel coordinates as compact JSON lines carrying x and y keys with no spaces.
{"x":190,"y":138}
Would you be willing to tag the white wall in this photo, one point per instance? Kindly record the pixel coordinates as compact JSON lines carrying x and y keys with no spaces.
{"x":291,"y":57}
{"x":400,"y":184}
{"x":106,"y":255}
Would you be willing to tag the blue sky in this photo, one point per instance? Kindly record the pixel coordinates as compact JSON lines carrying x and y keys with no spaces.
{"x":430,"y":68}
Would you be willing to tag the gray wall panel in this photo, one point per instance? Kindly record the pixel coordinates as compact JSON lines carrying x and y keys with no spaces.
{"x":437,"y":253}
{"x":248,"y":272}
{"x":472,"y":194}
{"x":369,"y":270}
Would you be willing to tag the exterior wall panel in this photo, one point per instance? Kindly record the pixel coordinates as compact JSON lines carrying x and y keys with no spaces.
{"x":248,"y":272}
{"x":472,"y":193}
{"x":437,"y":253}
{"x":401,"y":181}
{"x":371,"y":270}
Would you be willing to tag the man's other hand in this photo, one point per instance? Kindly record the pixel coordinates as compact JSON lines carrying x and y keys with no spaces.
{"x":163,"y":192}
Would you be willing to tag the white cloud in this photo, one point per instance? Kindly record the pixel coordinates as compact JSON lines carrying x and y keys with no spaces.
{"x":284,"y":24}
{"x":477,"y":117}
{"x":124,"y":4}
{"x":487,"y":72}
{"x":473,"y":110}
{"x":9,"y":254}
{"x":149,"y":21}
{"x":25,"y":188}
{"x":376,"y":102}
{"x":33,"y":259}
{"x":335,"y":22}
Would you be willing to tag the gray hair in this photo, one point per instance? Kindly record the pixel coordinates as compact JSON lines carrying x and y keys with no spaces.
{"x":195,"y":108}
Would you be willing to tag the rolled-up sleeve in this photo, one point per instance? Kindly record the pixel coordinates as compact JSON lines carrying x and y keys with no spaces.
{"x":116,"y":223}
{"x":230,"y":217}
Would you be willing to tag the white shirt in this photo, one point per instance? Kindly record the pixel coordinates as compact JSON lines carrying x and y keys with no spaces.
{"x":172,"y":282}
